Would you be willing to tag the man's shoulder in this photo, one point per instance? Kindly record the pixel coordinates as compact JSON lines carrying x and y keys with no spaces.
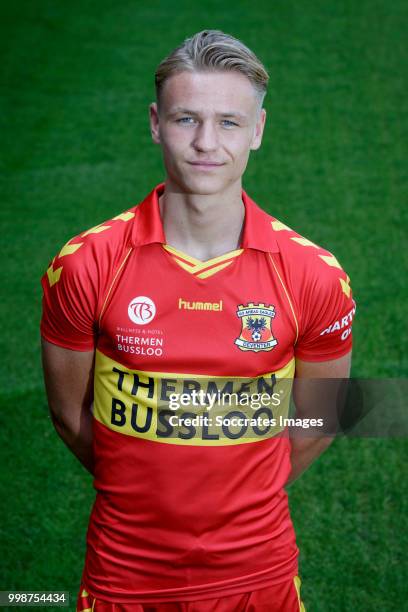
{"x":295,"y":251}
{"x":95,"y":249}
{"x":114,"y":232}
{"x":302,"y":254}
{"x":321,"y":291}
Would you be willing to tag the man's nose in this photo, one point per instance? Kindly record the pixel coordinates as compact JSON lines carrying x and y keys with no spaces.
{"x":206,"y":137}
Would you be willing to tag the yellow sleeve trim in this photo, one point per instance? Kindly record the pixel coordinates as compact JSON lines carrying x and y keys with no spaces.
{"x":304,"y":241}
{"x":298,"y":582}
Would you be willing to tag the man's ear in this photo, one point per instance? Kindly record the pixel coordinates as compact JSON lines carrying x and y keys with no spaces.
{"x":258,"y":131}
{"x":154,"y":122}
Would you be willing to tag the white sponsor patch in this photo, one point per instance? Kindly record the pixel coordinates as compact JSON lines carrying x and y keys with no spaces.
{"x":141,"y":310}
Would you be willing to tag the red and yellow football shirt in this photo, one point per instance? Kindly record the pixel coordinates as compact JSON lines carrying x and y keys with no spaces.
{"x":188,"y":507}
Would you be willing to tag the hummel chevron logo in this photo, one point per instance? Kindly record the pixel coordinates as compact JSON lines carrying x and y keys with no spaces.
{"x":53,"y":275}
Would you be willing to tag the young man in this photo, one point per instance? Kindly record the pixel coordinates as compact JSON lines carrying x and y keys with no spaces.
{"x":194,"y":291}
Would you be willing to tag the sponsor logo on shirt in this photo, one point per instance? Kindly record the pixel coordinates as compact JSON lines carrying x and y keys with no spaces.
{"x":256,"y":331}
{"x":184,"y":304}
{"x":196,"y":409}
{"x":141,"y":310}
{"x":341,"y":324}
{"x":142,"y":341}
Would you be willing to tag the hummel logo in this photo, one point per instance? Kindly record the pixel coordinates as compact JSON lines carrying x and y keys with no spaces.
{"x":199,"y":305}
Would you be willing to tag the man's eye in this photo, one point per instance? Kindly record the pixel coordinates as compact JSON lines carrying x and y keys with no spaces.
{"x":228,"y":123}
{"x":185,"y":120}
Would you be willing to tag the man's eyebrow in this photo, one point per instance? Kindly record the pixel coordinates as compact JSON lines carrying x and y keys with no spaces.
{"x":233,"y":114}
{"x":189,"y":111}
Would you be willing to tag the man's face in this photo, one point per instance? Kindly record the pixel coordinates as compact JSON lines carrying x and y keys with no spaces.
{"x":207,"y":125}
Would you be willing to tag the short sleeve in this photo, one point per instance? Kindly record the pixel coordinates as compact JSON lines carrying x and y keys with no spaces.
{"x":327,"y":312}
{"x":69,"y":304}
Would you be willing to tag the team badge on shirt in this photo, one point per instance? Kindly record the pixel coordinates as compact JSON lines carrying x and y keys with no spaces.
{"x":256,"y":328}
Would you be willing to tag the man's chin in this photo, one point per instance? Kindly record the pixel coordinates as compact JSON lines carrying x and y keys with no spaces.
{"x":202,"y":185}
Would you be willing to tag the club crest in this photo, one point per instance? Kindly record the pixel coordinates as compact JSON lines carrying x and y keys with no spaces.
{"x":256,"y":331}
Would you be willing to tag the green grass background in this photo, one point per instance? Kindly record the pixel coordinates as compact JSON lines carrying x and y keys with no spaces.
{"x":76,"y":80}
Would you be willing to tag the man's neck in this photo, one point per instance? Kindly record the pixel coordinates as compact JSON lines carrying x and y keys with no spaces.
{"x":202,"y":226}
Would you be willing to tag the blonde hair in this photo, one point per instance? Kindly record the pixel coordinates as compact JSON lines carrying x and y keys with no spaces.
{"x":213,"y":50}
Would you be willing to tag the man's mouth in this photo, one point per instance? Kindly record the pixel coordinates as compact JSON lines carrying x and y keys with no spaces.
{"x":206,"y":164}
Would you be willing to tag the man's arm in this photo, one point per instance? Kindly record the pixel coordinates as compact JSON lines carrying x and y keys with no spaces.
{"x":311,"y":394}
{"x":68,"y":379}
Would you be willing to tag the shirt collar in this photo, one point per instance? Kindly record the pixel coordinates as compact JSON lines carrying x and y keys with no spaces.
{"x":257,"y":232}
